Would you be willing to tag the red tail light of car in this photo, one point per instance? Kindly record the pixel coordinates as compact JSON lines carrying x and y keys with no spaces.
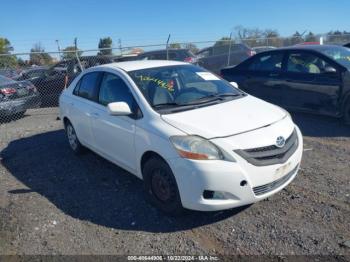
{"x":190,"y":60}
{"x":8,"y":91}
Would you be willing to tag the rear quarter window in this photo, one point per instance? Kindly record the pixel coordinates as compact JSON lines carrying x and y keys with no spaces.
{"x":88,"y":85}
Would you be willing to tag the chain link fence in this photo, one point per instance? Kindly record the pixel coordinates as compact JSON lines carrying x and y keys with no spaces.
{"x":32,"y":82}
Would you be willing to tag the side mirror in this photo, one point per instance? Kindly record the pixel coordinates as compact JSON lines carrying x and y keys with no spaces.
{"x":330,"y":69}
{"x":119,"y":109}
{"x":234,"y":84}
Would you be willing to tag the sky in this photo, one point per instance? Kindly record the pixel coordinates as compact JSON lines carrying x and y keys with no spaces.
{"x":137,"y":22}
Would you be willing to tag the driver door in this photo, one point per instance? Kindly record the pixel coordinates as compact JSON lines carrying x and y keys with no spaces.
{"x":312,"y":83}
{"x":114,"y":136}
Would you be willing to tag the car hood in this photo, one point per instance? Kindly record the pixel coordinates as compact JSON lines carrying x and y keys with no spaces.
{"x":226,"y":119}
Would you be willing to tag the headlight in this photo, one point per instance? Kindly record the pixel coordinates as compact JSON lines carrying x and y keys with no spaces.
{"x":194,"y":147}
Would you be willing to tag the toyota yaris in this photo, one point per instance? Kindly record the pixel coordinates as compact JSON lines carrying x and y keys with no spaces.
{"x":195,"y":140}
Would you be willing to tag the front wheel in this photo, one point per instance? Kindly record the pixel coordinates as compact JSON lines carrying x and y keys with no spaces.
{"x":161,"y":187}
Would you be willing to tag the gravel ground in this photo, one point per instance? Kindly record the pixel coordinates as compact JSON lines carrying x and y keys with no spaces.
{"x":53,"y":202}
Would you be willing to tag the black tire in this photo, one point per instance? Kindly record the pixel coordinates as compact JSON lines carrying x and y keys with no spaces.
{"x":346,"y":114}
{"x":161,"y":187}
{"x":73,"y":140}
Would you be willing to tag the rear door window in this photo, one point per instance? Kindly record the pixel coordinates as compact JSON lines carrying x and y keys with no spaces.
{"x":88,"y":85}
{"x":267,"y":63}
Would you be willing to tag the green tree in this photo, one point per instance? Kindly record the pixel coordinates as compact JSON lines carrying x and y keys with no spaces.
{"x":224,"y":41}
{"x":21,"y":62}
{"x":6,"y":60}
{"x":38,"y":56}
{"x":310,"y":37}
{"x":70,"y":52}
{"x":175,"y":45}
{"x":5,"y":46}
{"x":192,"y":47}
{"x":273,"y":38}
{"x":105,"y":43}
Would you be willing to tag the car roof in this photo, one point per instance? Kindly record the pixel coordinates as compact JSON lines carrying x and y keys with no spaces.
{"x":142,"y":64}
{"x":164,"y":50}
{"x":306,"y":47}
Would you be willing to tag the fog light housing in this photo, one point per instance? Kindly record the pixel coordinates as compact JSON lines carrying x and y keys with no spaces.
{"x":217,"y":195}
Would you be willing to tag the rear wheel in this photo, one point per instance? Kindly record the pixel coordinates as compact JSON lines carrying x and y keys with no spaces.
{"x":347,"y":112}
{"x":73,"y":140}
{"x":161,"y":187}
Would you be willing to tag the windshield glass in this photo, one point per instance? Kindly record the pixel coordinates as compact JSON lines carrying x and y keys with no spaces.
{"x":6,"y":81}
{"x":339,"y":54}
{"x":176,"y":86}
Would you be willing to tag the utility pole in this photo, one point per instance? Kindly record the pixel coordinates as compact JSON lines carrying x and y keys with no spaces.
{"x":229,"y":50}
{"x":167,"y":48}
{"x":120,"y":46}
{"x":59,"y":49}
{"x":76,"y":43}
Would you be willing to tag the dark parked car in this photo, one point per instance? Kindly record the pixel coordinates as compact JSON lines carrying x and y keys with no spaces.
{"x":16,"y":97}
{"x":125,"y":58}
{"x":10,"y":73}
{"x":217,"y":57}
{"x":313,"y":79}
{"x":53,"y":80}
{"x":173,"y":54}
{"x":31,"y":73}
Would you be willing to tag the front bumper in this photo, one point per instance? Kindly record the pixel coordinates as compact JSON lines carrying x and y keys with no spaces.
{"x":12,"y":107}
{"x":194,"y":177}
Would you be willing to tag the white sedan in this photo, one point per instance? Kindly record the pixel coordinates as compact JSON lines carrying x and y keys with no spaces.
{"x":197,"y":141}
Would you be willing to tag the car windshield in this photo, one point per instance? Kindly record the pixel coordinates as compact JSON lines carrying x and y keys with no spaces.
{"x":182,"y":86}
{"x":339,"y":54}
{"x":6,"y":81}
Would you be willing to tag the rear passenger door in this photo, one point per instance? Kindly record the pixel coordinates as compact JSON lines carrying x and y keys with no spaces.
{"x":81,"y":107}
{"x":264,"y":77}
{"x":312,"y":83}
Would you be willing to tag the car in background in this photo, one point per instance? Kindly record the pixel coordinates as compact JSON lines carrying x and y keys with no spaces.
{"x":54,"y":79}
{"x":259,"y":49}
{"x":310,"y":78}
{"x":196,"y":141}
{"x":184,"y":55}
{"x":32,"y":73}
{"x":16,"y":97}
{"x":10,"y":73}
{"x":217,"y":57}
{"x":124,"y":58}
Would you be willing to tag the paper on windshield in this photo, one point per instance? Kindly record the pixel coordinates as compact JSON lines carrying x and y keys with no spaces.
{"x":207,"y":76}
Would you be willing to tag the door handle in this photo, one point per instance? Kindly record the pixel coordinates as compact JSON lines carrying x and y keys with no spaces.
{"x":274,"y":74}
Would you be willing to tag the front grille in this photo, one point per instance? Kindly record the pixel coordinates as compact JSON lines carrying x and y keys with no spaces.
{"x":270,"y":155}
{"x":260,"y":190}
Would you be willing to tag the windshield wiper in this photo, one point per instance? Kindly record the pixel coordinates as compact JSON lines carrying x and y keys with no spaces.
{"x":170,"y":104}
{"x":212,"y":97}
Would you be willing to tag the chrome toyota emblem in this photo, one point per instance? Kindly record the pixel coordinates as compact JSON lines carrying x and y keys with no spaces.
{"x":280,"y":141}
